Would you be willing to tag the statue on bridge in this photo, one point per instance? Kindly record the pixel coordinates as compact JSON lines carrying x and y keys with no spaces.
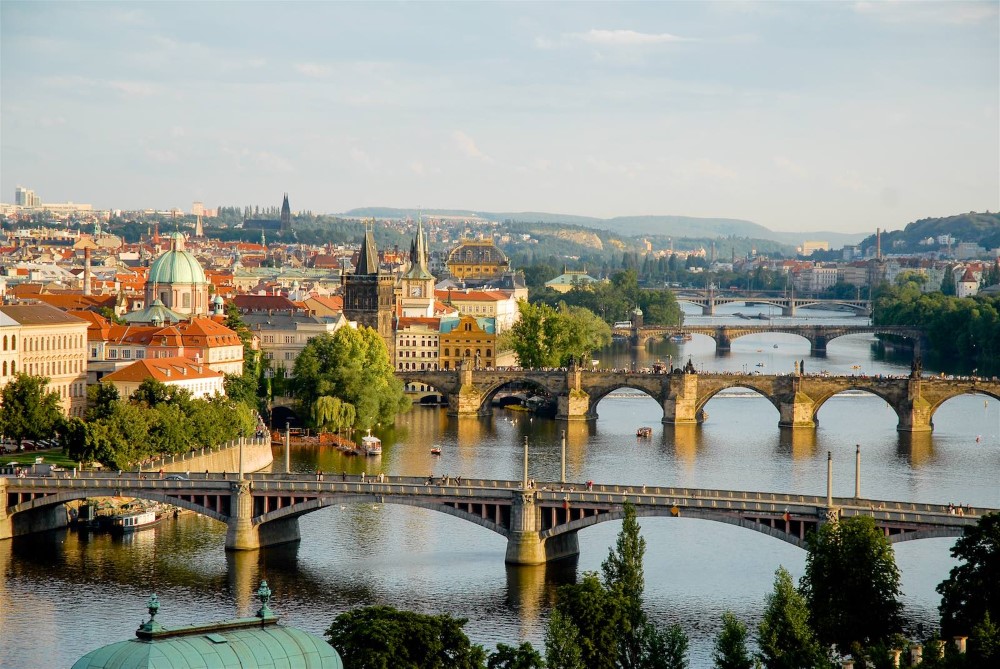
{"x":689,"y":367}
{"x":916,"y":367}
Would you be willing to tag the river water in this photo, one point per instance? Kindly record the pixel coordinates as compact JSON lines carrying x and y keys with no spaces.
{"x":64,"y":593}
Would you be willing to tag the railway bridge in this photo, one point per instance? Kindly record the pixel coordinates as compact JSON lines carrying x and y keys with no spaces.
{"x":540,"y":521}
{"x":683,"y":396}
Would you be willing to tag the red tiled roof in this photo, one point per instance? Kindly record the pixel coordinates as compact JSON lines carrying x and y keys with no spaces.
{"x":164,"y":370}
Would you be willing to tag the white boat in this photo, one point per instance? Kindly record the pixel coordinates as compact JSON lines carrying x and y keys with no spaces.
{"x":124,"y":523}
{"x":371,"y":445}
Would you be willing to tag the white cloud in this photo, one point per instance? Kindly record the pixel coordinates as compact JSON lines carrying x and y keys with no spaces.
{"x":789,"y":166}
{"x":315,"y":70}
{"x":134,"y":89}
{"x":468,"y":147}
{"x":363,"y":159}
{"x":626,"y":37}
{"x":162,"y":156}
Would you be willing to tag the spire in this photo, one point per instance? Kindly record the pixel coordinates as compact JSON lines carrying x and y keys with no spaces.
{"x":419,"y":255}
{"x":286,"y":214}
{"x":368,"y":259}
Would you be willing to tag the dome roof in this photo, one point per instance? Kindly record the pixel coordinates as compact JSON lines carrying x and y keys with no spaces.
{"x":176,"y":265}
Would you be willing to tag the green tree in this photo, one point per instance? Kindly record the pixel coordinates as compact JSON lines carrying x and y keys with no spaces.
{"x":731,"y":645}
{"x":562,"y":643}
{"x":352,"y":365}
{"x":784,"y":637}
{"x":972,"y":590}
{"x":665,"y":650}
{"x":101,"y":399}
{"x":28,"y":410}
{"x":381,"y":637}
{"x":851,"y":584}
{"x":520,"y":657}
{"x":984,"y":644}
{"x":597,"y":617}
{"x":151,"y":393}
{"x":526,"y":338}
{"x":625,"y":581}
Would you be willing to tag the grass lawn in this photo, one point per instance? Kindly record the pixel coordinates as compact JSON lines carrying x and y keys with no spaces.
{"x":53,"y":456}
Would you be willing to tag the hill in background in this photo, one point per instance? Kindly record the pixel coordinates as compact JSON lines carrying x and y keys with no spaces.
{"x":660,"y":226}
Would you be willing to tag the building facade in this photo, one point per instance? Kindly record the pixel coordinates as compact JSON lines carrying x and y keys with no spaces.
{"x":477,"y":260}
{"x":467,"y":338}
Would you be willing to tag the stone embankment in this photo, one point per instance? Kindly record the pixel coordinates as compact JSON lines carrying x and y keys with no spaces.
{"x":225,"y":458}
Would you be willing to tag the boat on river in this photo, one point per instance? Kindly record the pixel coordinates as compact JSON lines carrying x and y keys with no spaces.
{"x":436,"y":450}
{"x":126,"y":523}
{"x":680,"y":337}
{"x":371,"y":445}
{"x":644,"y":432}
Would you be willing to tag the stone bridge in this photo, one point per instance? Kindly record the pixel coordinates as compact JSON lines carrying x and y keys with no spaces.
{"x":540,"y":523}
{"x":708,"y":300}
{"x":818,"y":335}
{"x":797,"y":398}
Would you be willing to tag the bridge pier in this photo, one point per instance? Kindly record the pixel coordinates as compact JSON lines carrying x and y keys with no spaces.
{"x":575,"y":403}
{"x":789,"y":309}
{"x":525,"y":544}
{"x":468,"y":401}
{"x":817,"y":346}
{"x":722,"y":342}
{"x":680,"y":406}
{"x":242,"y":534}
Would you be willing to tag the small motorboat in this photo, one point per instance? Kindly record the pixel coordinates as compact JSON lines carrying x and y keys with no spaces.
{"x":436,"y":451}
{"x":644,"y":432}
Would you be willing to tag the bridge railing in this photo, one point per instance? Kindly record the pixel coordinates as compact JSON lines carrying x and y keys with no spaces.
{"x":495,"y":489}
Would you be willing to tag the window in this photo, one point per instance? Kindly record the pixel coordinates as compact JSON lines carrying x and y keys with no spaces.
{"x":186,"y":300}
{"x":140,"y":354}
{"x":93,"y":352}
{"x":113,"y":354}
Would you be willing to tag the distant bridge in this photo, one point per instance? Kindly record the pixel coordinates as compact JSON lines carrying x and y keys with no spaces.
{"x":540,"y":523}
{"x":797,"y":397}
{"x":818,"y":335}
{"x":710,"y":299}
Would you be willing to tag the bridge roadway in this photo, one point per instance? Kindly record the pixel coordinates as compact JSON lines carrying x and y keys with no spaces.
{"x":710,"y":299}
{"x":539,"y":523}
{"x":798,"y":398}
{"x":818,"y":335}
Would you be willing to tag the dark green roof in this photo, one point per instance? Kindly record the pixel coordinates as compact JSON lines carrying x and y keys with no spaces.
{"x":233,"y":644}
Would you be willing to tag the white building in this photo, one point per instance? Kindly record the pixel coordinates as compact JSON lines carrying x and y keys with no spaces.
{"x":201,"y":381}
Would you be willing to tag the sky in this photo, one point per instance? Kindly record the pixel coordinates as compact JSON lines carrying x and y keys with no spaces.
{"x":799,"y":116}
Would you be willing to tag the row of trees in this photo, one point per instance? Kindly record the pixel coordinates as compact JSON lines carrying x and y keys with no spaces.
{"x":957,"y":328}
{"x":547,"y":336}
{"x":846,"y":603}
{"x":156,"y":420}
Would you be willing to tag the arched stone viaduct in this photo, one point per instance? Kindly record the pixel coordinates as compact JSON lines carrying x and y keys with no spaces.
{"x":818,"y":335}
{"x":709,"y":300}
{"x":682,"y":396}
{"x":540,"y":523}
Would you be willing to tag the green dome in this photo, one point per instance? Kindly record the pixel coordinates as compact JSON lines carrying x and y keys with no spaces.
{"x":176,"y":265}
{"x":254,"y":646}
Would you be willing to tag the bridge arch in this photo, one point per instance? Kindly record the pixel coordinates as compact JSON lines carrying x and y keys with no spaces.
{"x":697,"y":514}
{"x":598,"y":393}
{"x":761,"y":389}
{"x":148,"y":495}
{"x":970,"y":391}
{"x":419,"y":376}
{"x":327,"y":501}
{"x":490,"y":391}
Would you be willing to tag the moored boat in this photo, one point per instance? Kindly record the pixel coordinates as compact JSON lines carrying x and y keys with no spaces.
{"x":371,"y":445}
{"x":124,"y":523}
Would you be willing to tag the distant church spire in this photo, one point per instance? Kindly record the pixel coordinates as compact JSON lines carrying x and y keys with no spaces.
{"x":368,"y":260}
{"x":286,"y":214}
{"x":418,"y":249}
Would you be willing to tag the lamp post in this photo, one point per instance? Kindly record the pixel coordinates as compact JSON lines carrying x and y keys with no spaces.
{"x":524,"y":481}
{"x":563,"y":479}
{"x":288,"y":447}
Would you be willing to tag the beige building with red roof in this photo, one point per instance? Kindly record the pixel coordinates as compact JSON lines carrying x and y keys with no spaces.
{"x":197,"y":378}
{"x":494,"y":304}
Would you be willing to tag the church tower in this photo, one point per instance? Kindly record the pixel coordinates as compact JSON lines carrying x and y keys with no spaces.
{"x":369,"y":295}
{"x":286,"y":214}
{"x":417,"y":284}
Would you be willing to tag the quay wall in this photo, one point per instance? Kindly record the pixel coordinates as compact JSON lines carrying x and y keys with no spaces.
{"x":257,"y":456}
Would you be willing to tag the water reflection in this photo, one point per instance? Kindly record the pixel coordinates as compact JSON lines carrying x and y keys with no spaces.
{"x":799,"y":443}
{"x":915,"y":448}
{"x":683,"y":440}
{"x":531,"y":590}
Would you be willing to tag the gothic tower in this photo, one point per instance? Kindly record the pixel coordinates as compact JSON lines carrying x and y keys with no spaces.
{"x":286,"y":214}
{"x":417,"y":284}
{"x":369,"y":295}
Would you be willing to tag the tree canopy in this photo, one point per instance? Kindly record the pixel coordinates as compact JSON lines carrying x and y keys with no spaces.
{"x":972,"y":590}
{"x":545,"y":336}
{"x":851,"y":584}
{"x":380,"y":637}
{"x":784,"y":637}
{"x":29,"y":410}
{"x":352,"y":366}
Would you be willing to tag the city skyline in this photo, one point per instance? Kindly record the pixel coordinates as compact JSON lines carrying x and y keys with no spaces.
{"x":806,"y":117}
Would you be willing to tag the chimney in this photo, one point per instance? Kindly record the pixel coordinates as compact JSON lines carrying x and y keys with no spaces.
{"x":86,"y":271}
{"x":878,"y":244}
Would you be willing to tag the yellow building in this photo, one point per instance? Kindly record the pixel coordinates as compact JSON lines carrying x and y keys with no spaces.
{"x":477,"y":260}
{"x":467,"y":338}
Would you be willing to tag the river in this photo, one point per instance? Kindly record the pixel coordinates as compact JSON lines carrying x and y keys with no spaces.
{"x":64,"y":593}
